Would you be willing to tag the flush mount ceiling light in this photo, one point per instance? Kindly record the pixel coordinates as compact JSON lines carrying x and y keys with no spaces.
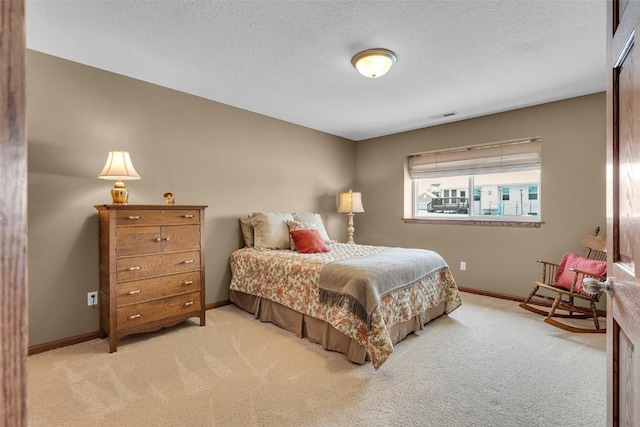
{"x":374,"y":63}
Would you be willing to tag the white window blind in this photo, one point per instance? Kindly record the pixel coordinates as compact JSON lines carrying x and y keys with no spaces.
{"x":482,"y":159}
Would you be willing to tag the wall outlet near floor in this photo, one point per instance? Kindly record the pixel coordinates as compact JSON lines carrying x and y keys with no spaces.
{"x":92,"y":299}
{"x":463,"y":265}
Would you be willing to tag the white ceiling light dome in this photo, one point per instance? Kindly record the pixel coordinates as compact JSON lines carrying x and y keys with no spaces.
{"x":374,"y":63}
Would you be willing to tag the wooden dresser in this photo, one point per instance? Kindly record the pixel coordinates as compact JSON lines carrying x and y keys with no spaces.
{"x":151,"y":268}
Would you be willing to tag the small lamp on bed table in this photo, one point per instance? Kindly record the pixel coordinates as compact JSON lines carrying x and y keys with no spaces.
{"x":350,"y":203}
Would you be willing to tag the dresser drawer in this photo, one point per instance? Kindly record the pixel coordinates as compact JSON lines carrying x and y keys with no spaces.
{"x":158,"y":287}
{"x":180,"y":238}
{"x":138,"y":240}
{"x":139,"y":315}
{"x":146,"y":240}
{"x":144,"y":267}
{"x":157,"y":217}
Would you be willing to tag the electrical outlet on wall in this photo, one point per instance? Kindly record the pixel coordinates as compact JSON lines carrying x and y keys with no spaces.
{"x":463,"y":265}
{"x":92,"y":299}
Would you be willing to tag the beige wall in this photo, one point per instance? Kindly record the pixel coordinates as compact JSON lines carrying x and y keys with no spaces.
{"x":204,"y":152}
{"x":237,"y":162}
{"x":499,"y":259}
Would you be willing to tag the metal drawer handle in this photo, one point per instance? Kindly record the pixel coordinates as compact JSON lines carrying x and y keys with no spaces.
{"x":133,"y":268}
{"x":134,"y":217}
{"x":158,"y":239}
{"x":189,"y":261}
{"x":187,"y":216}
{"x":135,"y":316}
{"x":166,"y":239}
{"x":188,"y":303}
{"x":188,"y":282}
{"x":134,"y":292}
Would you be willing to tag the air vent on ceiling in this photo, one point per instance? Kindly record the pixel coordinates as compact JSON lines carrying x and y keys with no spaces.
{"x":443,"y":115}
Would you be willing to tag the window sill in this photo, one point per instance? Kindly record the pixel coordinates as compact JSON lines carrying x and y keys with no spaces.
{"x":485,"y":223}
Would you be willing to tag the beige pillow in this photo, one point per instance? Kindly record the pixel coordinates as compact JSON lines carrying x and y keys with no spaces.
{"x":314,"y":218}
{"x":247,"y":230}
{"x":297,"y":225}
{"x":270,"y":230}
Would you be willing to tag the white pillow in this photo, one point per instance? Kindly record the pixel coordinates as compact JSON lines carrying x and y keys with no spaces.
{"x":270,"y":230}
{"x":314,"y":218}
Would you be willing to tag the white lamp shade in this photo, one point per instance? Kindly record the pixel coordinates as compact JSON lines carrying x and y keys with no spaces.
{"x":374,"y":63}
{"x":119,"y":167}
{"x":350,"y":202}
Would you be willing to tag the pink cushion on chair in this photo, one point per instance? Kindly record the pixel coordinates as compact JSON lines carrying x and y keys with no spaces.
{"x":565,"y":276}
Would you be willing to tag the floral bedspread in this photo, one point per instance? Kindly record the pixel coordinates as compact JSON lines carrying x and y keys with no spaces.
{"x":291,"y":279}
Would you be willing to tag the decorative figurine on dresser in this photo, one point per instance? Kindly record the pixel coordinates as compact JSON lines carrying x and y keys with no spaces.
{"x":151,"y":268}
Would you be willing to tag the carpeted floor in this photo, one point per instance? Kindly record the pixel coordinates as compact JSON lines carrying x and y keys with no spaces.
{"x":489,"y":363}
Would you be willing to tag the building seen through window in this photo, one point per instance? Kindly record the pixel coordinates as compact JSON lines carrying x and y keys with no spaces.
{"x":512,"y":194}
{"x":497,"y":180}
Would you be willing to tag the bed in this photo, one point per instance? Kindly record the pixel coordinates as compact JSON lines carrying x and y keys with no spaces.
{"x":359,"y":300}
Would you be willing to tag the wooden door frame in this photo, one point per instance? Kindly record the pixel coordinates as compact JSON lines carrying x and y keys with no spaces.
{"x":611,"y":205}
{"x":13,"y":216}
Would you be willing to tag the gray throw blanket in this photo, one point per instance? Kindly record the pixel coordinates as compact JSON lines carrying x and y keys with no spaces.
{"x":363,"y":281}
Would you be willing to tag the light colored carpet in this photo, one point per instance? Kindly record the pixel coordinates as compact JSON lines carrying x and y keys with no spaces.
{"x":489,"y":363}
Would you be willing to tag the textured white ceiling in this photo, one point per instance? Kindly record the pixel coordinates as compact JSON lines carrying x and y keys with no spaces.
{"x":291,"y":59}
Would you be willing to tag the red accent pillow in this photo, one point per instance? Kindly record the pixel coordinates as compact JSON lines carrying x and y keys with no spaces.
{"x":309,"y":241}
{"x":565,"y":276}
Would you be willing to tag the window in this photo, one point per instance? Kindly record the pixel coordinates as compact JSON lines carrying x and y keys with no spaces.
{"x":504,"y":179}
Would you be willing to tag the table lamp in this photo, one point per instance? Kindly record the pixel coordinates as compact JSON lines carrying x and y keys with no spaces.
{"x":350,"y":203}
{"x":119,"y":168}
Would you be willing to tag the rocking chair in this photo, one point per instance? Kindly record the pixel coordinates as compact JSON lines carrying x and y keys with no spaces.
{"x":564,"y":282}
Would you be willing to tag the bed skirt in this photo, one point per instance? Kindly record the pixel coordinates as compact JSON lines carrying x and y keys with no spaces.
{"x":319,"y":331}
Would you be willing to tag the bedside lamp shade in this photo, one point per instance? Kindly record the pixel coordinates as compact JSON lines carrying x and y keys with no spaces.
{"x":350,"y":202}
{"x":119,"y":168}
